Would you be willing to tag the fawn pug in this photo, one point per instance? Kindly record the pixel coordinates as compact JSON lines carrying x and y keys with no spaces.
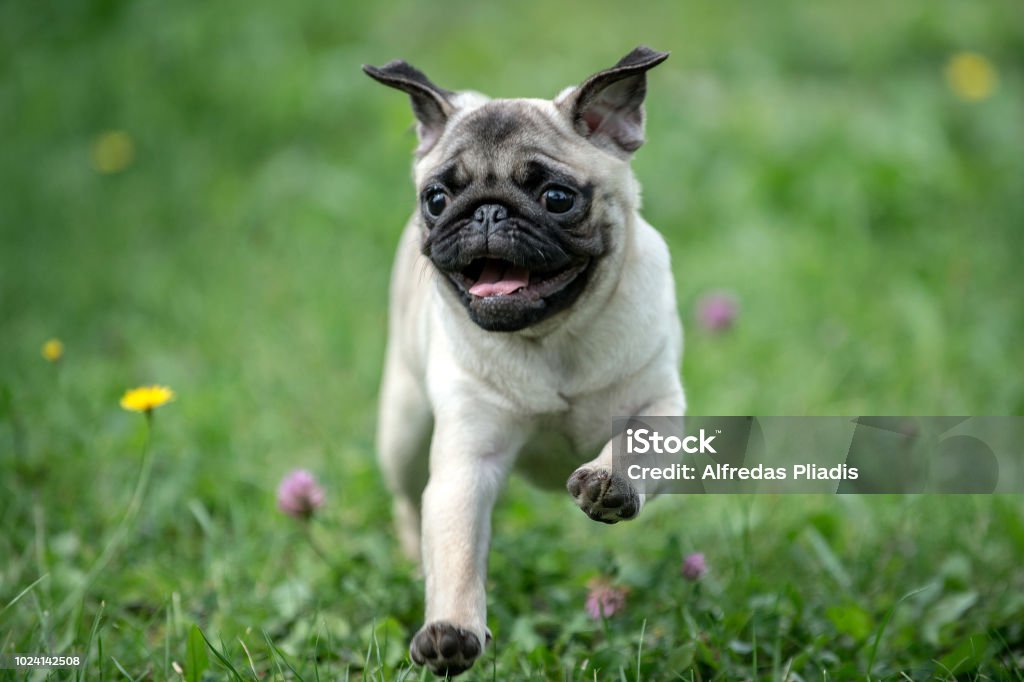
{"x":530,"y":302}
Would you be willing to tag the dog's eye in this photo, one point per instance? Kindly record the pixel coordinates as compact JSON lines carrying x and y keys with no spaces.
{"x":557,"y":199}
{"x":436,"y":201}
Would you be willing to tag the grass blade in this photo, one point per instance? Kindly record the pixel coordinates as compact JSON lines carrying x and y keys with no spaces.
{"x":196,"y":659}
{"x":88,"y":645}
{"x":25,"y":591}
{"x":220,"y":656}
{"x":885,"y":623}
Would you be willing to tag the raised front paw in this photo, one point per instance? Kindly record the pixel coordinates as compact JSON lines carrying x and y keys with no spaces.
{"x":445,"y":648}
{"x":603,"y":495}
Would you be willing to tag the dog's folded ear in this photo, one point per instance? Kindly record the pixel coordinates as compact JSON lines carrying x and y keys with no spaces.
{"x":607,"y":108}
{"x":431,"y":104}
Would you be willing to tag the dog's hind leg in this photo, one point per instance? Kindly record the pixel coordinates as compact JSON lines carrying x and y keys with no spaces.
{"x":404,"y":426}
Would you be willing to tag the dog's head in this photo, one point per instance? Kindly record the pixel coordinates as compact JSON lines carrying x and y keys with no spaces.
{"x":521,"y":199}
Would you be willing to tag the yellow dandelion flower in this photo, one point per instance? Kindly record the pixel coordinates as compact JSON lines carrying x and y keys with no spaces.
{"x":113,"y":151}
{"x":53,"y":350}
{"x":971,"y":76}
{"x":146,"y":398}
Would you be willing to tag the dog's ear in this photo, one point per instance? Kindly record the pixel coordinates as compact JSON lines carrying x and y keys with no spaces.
{"x":607,"y":108}
{"x":431,"y":105}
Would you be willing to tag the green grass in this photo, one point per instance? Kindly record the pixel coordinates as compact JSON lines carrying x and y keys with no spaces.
{"x":808,"y":157}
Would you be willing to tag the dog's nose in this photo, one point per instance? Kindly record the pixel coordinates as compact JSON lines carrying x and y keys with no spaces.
{"x":490,"y":215}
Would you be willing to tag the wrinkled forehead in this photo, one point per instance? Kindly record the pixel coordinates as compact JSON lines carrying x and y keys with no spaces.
{"x":504,"y":139}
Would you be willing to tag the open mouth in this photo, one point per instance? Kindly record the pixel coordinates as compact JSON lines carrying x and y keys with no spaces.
{"x":487,"y":277}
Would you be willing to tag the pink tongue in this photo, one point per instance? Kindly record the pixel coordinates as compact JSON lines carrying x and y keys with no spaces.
{"x":499,"y":278}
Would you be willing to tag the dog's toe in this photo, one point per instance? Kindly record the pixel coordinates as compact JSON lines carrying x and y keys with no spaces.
{"x":444,"y":648}
{"x":603,"y":495}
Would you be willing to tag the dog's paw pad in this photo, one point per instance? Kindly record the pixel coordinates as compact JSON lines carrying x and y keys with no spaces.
{"x":603,"y":495}
{"x":445,"y":648}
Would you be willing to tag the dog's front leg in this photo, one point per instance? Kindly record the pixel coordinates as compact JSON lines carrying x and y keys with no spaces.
{"x":470,"y":457}
{"x":606,"y":495}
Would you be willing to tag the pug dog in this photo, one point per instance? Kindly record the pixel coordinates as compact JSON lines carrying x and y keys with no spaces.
{"x":530,"y":303}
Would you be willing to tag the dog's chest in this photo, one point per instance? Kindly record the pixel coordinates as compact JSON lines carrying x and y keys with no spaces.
{"x":561,"y":384}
